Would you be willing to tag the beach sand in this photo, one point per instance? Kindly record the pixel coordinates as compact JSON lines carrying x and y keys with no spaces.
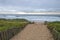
{"x":36,"y":31}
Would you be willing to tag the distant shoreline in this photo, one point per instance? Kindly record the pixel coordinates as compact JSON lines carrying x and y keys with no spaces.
{"x":29,"y":13}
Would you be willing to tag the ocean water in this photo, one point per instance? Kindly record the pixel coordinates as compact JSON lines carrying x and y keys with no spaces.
{"x":33,"y":17}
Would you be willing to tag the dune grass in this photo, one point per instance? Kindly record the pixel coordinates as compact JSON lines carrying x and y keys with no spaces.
{"x":55,"y":25}
{"x":6,"y":24}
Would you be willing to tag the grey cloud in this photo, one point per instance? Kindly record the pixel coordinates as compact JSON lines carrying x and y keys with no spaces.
{"x":30,"y":4}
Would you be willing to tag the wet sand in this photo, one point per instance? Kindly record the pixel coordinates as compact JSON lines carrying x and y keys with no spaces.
{"x":36,"y":31}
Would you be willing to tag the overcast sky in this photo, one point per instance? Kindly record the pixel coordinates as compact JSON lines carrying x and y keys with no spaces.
{"x":29,"y":5}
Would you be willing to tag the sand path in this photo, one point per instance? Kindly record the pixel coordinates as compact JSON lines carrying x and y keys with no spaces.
{"x":37,"y":31}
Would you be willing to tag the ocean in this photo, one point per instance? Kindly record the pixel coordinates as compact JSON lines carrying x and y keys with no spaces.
{"x":31,"y":17}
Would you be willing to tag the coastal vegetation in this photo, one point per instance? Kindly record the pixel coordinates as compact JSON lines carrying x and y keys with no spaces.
{"x":10,"y":27}
{"x":54,"y":25}
{"x":6,"y":24}
{"x":54,"y":28}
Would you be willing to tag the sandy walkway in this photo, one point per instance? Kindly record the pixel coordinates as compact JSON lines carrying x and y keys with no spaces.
{"x":37,"y":31}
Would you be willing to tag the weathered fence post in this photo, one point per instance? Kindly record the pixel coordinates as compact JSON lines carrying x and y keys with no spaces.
{"x":0,"y":36}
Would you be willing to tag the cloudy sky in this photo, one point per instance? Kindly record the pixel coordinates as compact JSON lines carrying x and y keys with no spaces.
{"x":30,"y":5}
